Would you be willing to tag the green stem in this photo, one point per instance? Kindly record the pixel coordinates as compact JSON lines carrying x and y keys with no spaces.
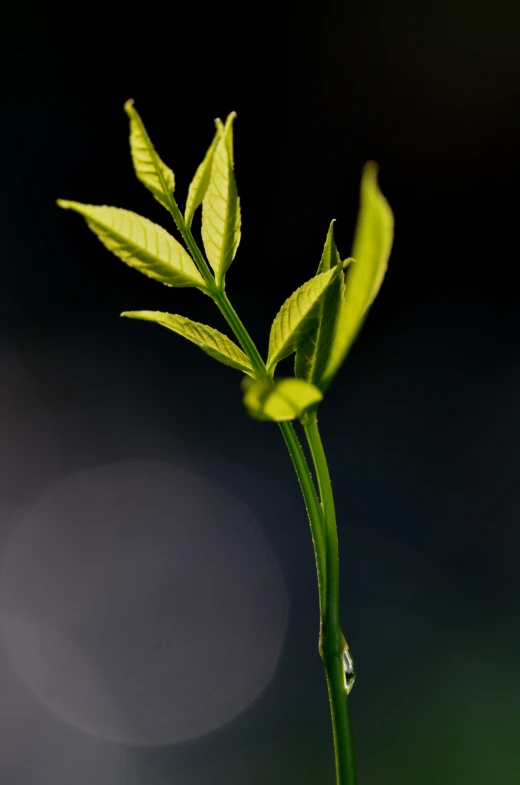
{"x":329,"y":518}
{"x":311,"y":503}
{"x":299,"y":460}
{"x":332,"y":642}
{"x":240,"y":331}
{"x":322,"y":523}
{"x":218,"y":293}
{"x":192,"y":246}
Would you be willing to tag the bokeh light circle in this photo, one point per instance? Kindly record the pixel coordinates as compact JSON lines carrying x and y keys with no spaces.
{"x":142,"y":603}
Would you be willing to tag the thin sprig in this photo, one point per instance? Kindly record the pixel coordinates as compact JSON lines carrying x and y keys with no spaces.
{"x":318,"y":323}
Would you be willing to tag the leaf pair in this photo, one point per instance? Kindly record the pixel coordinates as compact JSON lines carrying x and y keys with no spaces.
{"x":213,"y":187}
{"x":321,"y":319}
{"x":151,"y":250}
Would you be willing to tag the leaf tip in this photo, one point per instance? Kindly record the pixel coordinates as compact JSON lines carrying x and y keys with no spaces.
{"x":330,"y":233}
{"x":369,"y":175}
{"x":134,"y":314}
{"x":371,"y":168}
{"x":230,"y":119}
{"x":129,"y":106}
{"x":63,"y":203}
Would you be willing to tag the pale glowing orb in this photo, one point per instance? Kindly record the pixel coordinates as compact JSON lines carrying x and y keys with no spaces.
{"x":142,"y":603}
{"x":36,"y":747}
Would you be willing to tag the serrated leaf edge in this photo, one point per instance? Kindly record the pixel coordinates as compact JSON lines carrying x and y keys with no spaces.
{"x":163,"y":319}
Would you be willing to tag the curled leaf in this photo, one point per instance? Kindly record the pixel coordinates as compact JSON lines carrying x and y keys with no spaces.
{"x":199,"y":184}
{"x":298,"y":316}
{"x":371,"y":250}
{"x":221,"y":207}
{"x":280,"y":400}
{"x":314,"y":350}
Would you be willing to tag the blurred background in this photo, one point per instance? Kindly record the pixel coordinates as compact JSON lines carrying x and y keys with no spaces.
{"x":158,"y":606}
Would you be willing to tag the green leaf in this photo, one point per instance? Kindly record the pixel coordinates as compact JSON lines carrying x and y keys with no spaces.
{"x":283,"y":399}
{"x":211,"y":341}
{"x":371,"y":250}
{"x":330,"y":256}
{"x":221,"y":207}
{"x":149,"y":168}
{"x":140,"y":243}
{"x":199,"y":184}
{"x":298,"y":316}
{"x":313,"y":352}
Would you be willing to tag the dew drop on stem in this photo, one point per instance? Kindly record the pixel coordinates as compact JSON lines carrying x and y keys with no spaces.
{"x":348,"y":665}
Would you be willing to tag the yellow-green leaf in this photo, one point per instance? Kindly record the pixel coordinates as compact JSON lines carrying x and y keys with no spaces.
{"x":283,"y":399}
{"x":221,"y":207}
{"x":313,"y":352}
{"x":330,"y":256}
{"x":149,"y":168}
{"x":371,"y":250}
{"x":199,"y":184}
{"x":139,"y":243}
{"x":211,"y":341}
{"x":297,"y":317}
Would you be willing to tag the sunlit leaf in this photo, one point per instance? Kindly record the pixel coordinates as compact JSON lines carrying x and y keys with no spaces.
{"x":199,"y":184}
{"x":213,"y":342}
{"x":149,"y":168}
{"x":330,"y":256}
{"x":221,"y":207}
{"x":139,"y":243}
{"x":283,"y":399}
{"x":298,"y":316}
{"x":314,"y":350}
{"x":371,"y":250}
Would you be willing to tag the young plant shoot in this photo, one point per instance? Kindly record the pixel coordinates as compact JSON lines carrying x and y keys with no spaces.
{"x":318,"y":324}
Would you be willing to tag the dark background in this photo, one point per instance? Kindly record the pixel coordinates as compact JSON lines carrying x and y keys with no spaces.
{"x":421,"y":425}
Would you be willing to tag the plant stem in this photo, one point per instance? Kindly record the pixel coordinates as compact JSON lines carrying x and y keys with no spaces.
{"x":299,"y":460}
{"x":319,"y":460}
{"x":191,"y":244}
{"x":322,"y":520}
{"x":332,"y":642}
{"x":217,"y":293}
{"x":240,"y":331}
{"x":311,"y":503}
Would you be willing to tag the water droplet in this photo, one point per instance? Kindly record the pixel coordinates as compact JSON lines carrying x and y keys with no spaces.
{"x":348,"y":664}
